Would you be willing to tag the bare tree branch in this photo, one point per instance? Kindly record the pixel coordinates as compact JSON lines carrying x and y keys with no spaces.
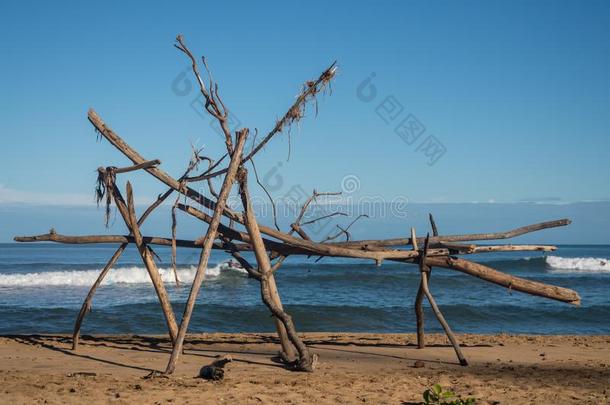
{"x":295,"y":112}
{"x":212,"y":99}
{"x":344,"y":231}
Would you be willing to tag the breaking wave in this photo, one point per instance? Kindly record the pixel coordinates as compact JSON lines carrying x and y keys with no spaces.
{"x":578,"y":264}
{"x":120,"y":275}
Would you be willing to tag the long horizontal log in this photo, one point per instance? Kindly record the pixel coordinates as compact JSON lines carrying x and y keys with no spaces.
{"x":460,"y":238}
{"x":454,"y":247}
{"x":506,"y":280}
{"x":514,"y":248}
{"x":436,"y":257}
{"x":242,"y":236}
{"x":327,"y":249}
{"x":92,"y":239}
{"x":89,"y":239}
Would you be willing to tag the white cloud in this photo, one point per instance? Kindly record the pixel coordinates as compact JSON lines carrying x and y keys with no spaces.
{"x":11,"y":196}
{"x":14,"y":196}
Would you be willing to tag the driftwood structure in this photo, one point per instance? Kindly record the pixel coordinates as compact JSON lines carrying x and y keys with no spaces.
{"x":243,"y":233}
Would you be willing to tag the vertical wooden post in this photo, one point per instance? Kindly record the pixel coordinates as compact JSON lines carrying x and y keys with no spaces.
{"x":419,"y":299}
{"x":433,"y":225}
{"x":419,"y":316}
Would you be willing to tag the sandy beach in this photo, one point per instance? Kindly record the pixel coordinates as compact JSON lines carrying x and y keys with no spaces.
{"x":354,"y":368}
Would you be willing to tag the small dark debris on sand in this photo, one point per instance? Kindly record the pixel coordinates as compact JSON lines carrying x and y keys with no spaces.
{"x":215,"y":371}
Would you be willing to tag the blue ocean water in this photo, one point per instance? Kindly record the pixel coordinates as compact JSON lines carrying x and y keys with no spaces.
{"x":42,"y":287}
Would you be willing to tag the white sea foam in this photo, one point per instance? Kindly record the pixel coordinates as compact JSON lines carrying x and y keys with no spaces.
{"x":120,"y":275}
{"x":578,"y":264}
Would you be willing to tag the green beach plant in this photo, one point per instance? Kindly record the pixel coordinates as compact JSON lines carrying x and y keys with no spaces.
{"x":436,"y":396}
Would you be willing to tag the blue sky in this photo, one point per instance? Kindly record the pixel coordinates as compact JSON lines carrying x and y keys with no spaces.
{"x":517,"y":93}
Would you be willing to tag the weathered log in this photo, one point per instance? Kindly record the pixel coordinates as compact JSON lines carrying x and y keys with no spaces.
{"x":86,"y":307}
{"x":208,"y":242}
{"x":456,"y":248}
{"x":271,"y":297}
{"x":143,"y":165}
{"x":419,"y":316}
{"x":437,"y":312}
{"x":461,"y":238}
{"x":439,"y":255}
{"x":424,"y":271}
{"x":338,"y":250}
{"x":442,"y":321}
{"x":433,"y":225}
{"x":419,"y":298}
{"x":505,"y":280}
{"x":269,"y":293}
{"x":513,"y":248}
{"x":414,"y":239}
{"x":243,"y":236}
{"x":91,"y":239}
{"x":165,"y":178}
{"x":128,"y":213}
{"x":288,"y":353}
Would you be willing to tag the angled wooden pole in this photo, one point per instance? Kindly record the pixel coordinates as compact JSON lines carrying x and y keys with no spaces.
{"x":288,"y":353}
{"x":419,"y":299}
{"x":424,"y":270}
{"x":208,"y":242}
{"x":269,"y":294}
{"x":128,"y":213}
{"x":86,"y":307}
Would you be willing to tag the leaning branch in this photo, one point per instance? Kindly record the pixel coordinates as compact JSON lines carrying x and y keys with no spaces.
{"x":505,"y":280}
